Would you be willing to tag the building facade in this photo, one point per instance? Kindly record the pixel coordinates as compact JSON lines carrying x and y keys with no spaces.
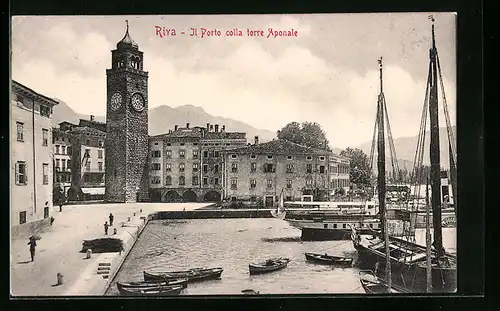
{"x":186,"y":163}
{"x":259,"y":173}
{"x":127,"y":170}
{"x":339,"y":170}
{"x":79,"y":160}
{"x":62,"y":163}
{"x":88,"y":163}
{"x":31,"y":159}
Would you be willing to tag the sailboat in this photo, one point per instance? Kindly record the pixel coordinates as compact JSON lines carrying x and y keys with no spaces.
{"x":280,"y":212}
{"x":407,"y":260}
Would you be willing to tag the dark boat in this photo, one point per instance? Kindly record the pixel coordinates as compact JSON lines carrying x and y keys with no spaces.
{"x":373,"y":284}
{"x":169,"y":290}
{"x":149,"y":284}
{"x":269,"y":265}
{"x":328,"y":259}
{"x":249,"y":292}
{"x":197,"y":274}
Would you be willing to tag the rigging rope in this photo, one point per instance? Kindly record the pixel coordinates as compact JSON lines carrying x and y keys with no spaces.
{"x":451,"y":135}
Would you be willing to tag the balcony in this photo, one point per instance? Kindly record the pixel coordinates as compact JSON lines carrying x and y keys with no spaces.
{"x":270,"y":170}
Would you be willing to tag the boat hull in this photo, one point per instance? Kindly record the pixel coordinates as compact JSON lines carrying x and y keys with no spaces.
{"x":262,"y":268}
{"x":412,"y":277}
{"x":199,"y":275}
{"x":328,"y":260}
{"x":151,"y":284}
{"x":173,"y":290}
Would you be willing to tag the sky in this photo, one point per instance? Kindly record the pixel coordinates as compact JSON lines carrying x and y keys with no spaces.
{"x":327,"y":74}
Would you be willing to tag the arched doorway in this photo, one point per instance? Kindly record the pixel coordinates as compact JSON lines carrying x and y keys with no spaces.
{"x":172,"y":196}
{"x":155,"y":196}
{"x":190,"y":196}
{"x":212,"y":196}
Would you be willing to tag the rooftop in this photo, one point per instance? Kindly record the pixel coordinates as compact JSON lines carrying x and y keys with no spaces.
{"x":87,"y":130}
{"x":16,"y":86}
{"x":225,"y":135}
{"x":127,"y":41}
{"x":280,"y":146}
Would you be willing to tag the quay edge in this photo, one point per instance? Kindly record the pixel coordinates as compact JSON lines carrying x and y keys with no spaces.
{"x":90,"y":284}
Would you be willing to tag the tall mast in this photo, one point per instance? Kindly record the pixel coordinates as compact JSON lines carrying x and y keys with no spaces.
{"x":434,"y":150}
{"x":381,"y":155}
{"x":428,"y":238}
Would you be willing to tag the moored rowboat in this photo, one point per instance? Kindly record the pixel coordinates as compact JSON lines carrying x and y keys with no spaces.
{"x":372,"y":284}
{"x":197,"y":274}
{"x":150,"y":284}
{"x":169,"y":290}
{"x":328,"y":259}
{"x":269,"y":265}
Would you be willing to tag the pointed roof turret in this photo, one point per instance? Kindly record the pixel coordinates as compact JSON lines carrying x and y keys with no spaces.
{"x":127,"y":41}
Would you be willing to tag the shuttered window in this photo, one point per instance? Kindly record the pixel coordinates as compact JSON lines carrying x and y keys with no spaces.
{"x":21,"y":176}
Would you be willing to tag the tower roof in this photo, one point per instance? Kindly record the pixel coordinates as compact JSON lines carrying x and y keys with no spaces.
{"x":127,"y":41}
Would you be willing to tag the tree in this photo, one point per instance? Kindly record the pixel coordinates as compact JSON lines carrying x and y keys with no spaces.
{"x":360,"y":172}
{"x":309,"y":134}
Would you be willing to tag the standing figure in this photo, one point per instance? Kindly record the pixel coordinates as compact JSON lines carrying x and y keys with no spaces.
{"x":32,"y":244}
{"x":106,"y":226}
{"x":111,"y":218}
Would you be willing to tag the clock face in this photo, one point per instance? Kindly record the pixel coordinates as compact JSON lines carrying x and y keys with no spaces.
{"x":116,"y":101}
{"x":137,"y":102}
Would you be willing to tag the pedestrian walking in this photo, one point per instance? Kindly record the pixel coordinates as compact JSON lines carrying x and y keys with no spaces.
{"x":60,"y":206}
{"x":106,"y":226}
{"x":111,"y":218}
{"x":32,"y":244}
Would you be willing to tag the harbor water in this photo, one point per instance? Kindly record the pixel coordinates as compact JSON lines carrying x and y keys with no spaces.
{"x":169,"y":245}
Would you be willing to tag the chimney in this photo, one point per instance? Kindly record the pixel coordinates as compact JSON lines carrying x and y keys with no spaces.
{"x":208,"y":127}
{"x":256,"y":139}
{"x":211,"y":127}
{"x":223,"y":128}
{"x":169,"y":131}
{"x":175,"y":127}
{"x":216,"y":128}
{"x":187,"y":125}
{"x":91,"y":118}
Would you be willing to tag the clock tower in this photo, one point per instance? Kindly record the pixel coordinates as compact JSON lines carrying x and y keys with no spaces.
{"x":127,"y":125}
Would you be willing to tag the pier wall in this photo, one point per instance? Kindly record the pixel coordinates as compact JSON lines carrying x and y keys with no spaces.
{"x":213,"y":214}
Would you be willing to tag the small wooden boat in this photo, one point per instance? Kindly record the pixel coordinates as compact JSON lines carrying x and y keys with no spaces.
{"x":169,"y":290}
{"x":196,"y":274}
{"x":328,"y":259}
{"x":269,"y":265}
{"x":149,"y":284}
{"x":249,"y":292}
{"x":372,"y":284}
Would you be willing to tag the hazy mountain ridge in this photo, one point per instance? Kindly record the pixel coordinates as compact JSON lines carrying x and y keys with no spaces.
{"x":163,"y":118}
{"x":406,"y":147}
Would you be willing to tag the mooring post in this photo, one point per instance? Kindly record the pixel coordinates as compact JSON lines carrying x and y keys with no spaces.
{"x":60,"y":278}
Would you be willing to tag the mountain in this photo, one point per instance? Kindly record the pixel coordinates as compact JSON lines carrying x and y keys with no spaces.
{"x":63,"y":112}
{"x":163,"y":118}
{"x":406,"y":147}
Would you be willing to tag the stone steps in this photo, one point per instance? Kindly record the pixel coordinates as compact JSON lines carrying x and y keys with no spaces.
{"x":103,"y":269}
